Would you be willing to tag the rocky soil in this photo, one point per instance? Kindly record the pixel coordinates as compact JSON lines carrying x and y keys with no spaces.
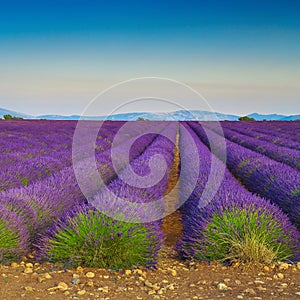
{"x":173,"y":279}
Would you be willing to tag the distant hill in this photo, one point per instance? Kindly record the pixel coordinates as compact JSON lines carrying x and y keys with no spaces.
{"x":291,"y":118}
{"x":58,"y":117}
{"x":260,"y":117}
{"x":174,"y":116}
{"x":180,"y":115}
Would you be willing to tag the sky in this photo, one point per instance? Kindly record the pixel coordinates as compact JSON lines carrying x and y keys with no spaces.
{"x":241,"y":56}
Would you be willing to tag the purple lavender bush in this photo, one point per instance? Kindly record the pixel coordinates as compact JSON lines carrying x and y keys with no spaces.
{"x":248,"y":231}
{"x":89,"y":238}
{"x":14,"y":237}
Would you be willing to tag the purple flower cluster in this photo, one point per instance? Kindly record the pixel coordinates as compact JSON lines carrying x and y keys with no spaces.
{"x":14,"y":236}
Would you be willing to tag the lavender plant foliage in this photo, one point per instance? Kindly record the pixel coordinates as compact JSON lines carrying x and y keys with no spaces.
{"x":21,"y":208}
{"x":14,"y":238}
{"x":87,"y":237}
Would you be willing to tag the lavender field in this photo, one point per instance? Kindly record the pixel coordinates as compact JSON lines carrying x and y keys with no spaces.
{"x":43,"y":210}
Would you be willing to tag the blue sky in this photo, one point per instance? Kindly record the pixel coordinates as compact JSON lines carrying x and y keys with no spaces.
{"x":242,"y":56}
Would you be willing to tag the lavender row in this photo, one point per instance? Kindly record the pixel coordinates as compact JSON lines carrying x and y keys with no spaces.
{"x":229,"y":210}
{"x":22,"y":141}
{"x":143,"y":181}
{"x":86,"y":237}
{"x":269,"y":136}
{"x":284,"y":155}
{"x":281,"y":129}
{"x":33,"y":137}
{"x":28,"y":171}
{"x":260,"y":174}
{"x":284,"y":127}
{"x":109,"y":163}
{"x":24,"y":171}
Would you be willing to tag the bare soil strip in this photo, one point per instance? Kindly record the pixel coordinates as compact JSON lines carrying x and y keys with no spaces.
{"x":172,"y":225}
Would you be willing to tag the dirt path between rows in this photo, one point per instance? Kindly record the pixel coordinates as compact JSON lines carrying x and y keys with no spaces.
{"x":172,"y":226}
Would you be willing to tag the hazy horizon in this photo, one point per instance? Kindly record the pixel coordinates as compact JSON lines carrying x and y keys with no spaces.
{"x":138,"y":111}
{"x":242,"y":56}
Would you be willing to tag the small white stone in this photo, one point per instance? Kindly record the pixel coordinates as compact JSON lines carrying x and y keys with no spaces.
{"x":283,"y":266}
{"x":280,"y":275}
{"x":62,"y":286}
{"x":28,"y":271}
{"x":222,"y":287}
{"x":90,"y":275}
{"x":151,"y":292}
{"x":47,"y":276}
{"x":250,"y":291}
{"x":81,"y":292}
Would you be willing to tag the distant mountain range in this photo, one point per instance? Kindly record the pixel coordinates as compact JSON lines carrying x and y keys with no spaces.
{"x":179,"y":115}
{"x":274,"y":117}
